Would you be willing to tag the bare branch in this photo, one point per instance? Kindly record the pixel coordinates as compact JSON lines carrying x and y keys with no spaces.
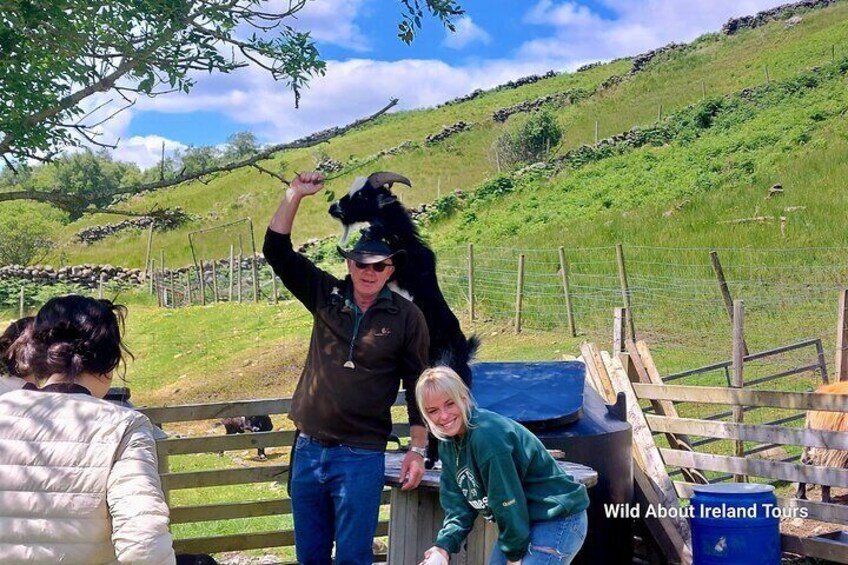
{"x":262,"y":169}
{"x":77,"y":203}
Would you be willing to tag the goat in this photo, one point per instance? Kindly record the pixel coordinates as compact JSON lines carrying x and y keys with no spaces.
{"x":247,"y":424}
{"x":828,"y":421}
{"x":371,"y":200}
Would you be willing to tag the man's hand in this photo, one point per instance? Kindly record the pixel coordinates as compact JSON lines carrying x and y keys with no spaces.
{"x":411,"y":470}
{"x":307,"y":184}
{"x":434,"y":549}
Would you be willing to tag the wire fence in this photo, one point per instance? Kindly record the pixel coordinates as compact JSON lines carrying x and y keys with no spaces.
{"x":679,"y":299}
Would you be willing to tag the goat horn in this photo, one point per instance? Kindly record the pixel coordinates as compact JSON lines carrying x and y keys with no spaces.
{"x":387,"y":178}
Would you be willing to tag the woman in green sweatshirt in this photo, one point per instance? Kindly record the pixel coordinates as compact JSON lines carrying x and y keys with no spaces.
{"x":493,"y":466}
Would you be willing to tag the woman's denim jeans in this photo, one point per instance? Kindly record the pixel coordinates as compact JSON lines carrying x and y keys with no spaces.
{"x":552,"y":542}
{"x":335,"y":494}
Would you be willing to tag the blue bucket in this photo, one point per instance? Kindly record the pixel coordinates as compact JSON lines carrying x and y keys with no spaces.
{"x":735,"y":524}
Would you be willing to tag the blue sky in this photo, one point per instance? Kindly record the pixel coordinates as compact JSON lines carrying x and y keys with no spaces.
{"x":497,"y":40}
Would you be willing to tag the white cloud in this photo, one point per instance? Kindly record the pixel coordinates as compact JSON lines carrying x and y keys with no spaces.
{"x":145,"y":151}
{"x":636,"y":26}
{"x":466,"y":32}
{"x":332,"y":22}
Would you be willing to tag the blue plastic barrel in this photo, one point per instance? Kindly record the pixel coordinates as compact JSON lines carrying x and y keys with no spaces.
{"x":735,"y":524}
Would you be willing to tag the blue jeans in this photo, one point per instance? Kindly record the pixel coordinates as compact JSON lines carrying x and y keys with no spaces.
{"x":552,"y":542}
{"x":335,"y":494}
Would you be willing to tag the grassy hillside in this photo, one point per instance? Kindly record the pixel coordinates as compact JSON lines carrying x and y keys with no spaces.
{"x":713,"y":65}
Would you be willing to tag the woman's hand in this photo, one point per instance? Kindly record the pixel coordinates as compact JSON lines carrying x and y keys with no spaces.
{"x":433,"y":550}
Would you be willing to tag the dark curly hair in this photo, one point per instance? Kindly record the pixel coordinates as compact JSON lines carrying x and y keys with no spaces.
{"x":71,"y":335}
{"x":13,"y":332}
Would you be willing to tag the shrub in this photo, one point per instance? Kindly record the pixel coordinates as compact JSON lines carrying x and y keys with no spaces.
{"x":530,"y":142}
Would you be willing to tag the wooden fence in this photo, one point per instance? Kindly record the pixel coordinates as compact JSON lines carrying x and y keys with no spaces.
{"x":680,"y":456}
{"x":171,"y":481}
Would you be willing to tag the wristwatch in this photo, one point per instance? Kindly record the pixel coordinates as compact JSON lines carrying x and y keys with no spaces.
{"x":422,"y":451}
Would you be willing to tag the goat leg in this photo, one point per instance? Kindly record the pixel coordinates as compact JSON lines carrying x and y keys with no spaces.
{"x":802,"y":491}
{"x":825,"y":493}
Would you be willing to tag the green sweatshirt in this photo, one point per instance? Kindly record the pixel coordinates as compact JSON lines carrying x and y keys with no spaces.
{"x":501,"y":470}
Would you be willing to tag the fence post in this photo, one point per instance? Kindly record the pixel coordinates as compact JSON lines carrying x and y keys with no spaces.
{"x":254,"y":267}
{"x":202,"y":284}
{"x":619,"y":330}
{"x":471,"y":280}
{"x":738,"y":380}
{"x":519,"y":293}
{"x":659,"y":112}
{"x":152,"y":269}
{"x":238,"y":277}
{"x":725,"y":291}
{"x":149,"y":247}
{"x":230,"y":293}
{"x":21,"y":303}
{"x":566,"y":289}
{"x":100,"y":282}
{"x":173,"y":289}
{"x":625,"y":289}
{"x":596,"y":132}
{"x":842,"y":338}
{"x":188,"y":287}
{"x":215,"y":280}
{"x":274,"y":284}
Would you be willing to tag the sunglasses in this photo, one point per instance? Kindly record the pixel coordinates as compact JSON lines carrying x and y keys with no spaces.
{"x":378,"y":267}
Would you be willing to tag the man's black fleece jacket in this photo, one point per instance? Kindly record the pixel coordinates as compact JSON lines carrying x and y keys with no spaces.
{"x":382,"y":347}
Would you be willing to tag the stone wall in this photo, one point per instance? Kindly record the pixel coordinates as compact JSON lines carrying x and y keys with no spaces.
{"x":446,"y":132}
{"x":734,"y":25}
{"x":168,"y":220}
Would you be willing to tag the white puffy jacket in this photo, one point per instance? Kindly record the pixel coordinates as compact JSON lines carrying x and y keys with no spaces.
{"x":79,"y":483}
{"x":8,"y":384}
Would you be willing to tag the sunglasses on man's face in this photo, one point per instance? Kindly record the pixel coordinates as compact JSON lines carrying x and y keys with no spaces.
{"x":378,"y":267}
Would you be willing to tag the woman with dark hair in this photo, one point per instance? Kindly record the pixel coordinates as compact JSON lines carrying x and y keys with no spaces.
{"x":79,"y":484}
{"x":10,"y":377}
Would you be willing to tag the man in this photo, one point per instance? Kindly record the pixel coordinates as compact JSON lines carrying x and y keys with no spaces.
{"x":365,"y":341}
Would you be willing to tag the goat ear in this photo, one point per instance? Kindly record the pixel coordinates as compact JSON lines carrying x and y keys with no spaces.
{"x":385,"y":200}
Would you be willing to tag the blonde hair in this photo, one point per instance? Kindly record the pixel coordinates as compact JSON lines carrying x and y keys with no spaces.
{"x":436,"y":380}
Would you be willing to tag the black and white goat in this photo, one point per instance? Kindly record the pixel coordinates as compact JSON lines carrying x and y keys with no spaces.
{"x":248,"y":424}
{"x":371,"y":200}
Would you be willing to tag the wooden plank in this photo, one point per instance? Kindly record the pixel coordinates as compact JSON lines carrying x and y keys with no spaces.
{"x":235,"y":542}
{"x":666,"y":535}
{"x":646,"y":450}
{"x":228,"y":511}
{"x":189,"y":412}
{"x":619,"y":329}
{"x":397,"y":525}
{"x":214,"y":444}
{"x":759,"y":398}
{"x":215,"y":410}
{"x":680,"y":440}
{"x":841,"y":367}
{"x":195,"y":479}
{"x":758,"y":467}
{"x":598,"y":371}
{"x":242,"y":542}
{"x":832,"y":513}
{"x":749,"y":432}
{"x":815,"y":547}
